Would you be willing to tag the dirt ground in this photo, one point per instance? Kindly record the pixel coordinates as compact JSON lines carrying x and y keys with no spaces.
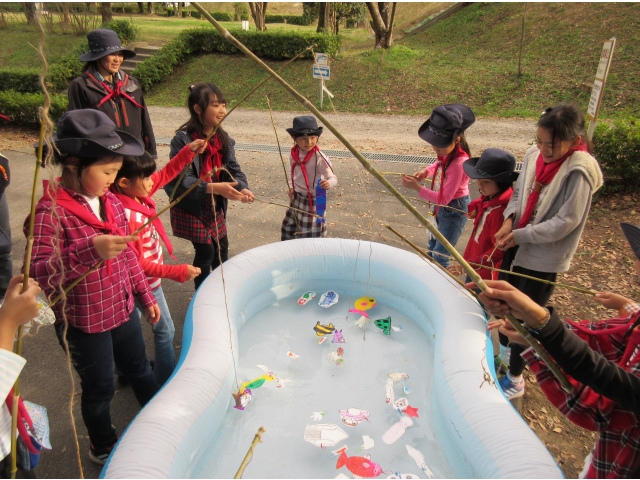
{"x":603,"y":260}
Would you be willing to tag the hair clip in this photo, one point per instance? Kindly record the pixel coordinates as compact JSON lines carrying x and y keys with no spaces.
{"x":546,"y":110}
{"x":191,"y":87}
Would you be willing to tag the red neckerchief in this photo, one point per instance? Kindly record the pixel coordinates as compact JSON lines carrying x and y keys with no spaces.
{"x":481,"y":206}
{"x":70,"y":204}
{"x":295,"y":154}
{"x":23,"y":416}
{"x":545,"y":172}
{"x":113,"y":93}
{"x":443,"y":161}
{"x":212,"y":156}
{"x":4,"y":117}
{"x":146,"y":206}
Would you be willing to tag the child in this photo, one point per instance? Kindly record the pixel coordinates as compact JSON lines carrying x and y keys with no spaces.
{"x":444,"y":131}
{"x":78,"y":224}
{"x":201,"y":216}
{"x":103,"y":86}
{"x":310,"y":170}
{"x":495,"y":173}
{"x":546,"y":215}
{"x":603,"y":360}
{"x":135,"y":184}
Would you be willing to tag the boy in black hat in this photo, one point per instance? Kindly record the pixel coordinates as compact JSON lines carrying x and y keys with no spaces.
{"x":311,"y":177}
{"x":103,"y":86}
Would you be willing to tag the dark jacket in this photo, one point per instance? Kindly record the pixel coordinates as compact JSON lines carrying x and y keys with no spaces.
{"x":192,"y":203}
{"x":85,"y":92}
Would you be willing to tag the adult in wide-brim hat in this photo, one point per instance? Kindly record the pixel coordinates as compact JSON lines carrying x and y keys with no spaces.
{"x":446,"y":123}
{"x":305,"y":125}
{"x":104,"y":42}
{"x":92,"y":134}
{"x":494,"y":164}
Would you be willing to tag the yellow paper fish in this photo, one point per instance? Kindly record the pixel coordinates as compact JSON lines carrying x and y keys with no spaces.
{"x":364,"y":303}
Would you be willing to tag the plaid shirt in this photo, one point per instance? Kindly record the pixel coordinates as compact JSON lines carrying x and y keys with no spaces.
{"x":617,"y":453}
{"x":100,"y":302}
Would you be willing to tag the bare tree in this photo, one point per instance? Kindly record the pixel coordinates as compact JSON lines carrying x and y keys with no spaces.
{"x":521,"y":42}
{"x":179,"y":11}
{"x":29,"y":11}
{"x":107,"y":15}
{"x":141,"y":8}
{"x":64,"y":9}
{"x":382,"y":14}
{"x":150,"y":10}
{"x":259,"y":13}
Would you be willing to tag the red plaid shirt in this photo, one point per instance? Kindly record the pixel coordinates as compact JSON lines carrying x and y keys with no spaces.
{"x":617,"y":453}
{"x":99,"y":302}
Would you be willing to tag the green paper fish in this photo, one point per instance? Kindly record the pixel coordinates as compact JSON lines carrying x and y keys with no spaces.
{"x":384,"y":324}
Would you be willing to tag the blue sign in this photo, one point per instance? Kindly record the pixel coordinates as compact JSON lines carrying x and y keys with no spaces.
{"x":321,"y":72}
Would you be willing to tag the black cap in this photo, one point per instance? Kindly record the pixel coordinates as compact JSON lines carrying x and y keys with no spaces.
{"x":445,"y":124}
{"x":494,"y":164}
{"x":305,"y":125}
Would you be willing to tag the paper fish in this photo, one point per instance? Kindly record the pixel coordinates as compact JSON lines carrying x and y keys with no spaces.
{"x":419,"y":458}
{"x":279,"y":381}
{"x":322,"y":330}
{"x":317,"y":416}
{"x":384,"y":324}
{"x":242,"y":399}
{"x":397,"y":430}
{"x":335,"y":358}
{"x":324,"y":434}
{"x":306,"y":297}
{"x":338,"y":337}
{"x":295,"y":356}
{"x":328,"y":298}
{"x":361,"y":306}
{"x":361,"y":466}
{"x":321,"y":202}
{"x":353,"y":416}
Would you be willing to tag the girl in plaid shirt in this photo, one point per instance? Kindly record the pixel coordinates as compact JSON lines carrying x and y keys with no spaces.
{"x":79,"y":223}
{"x":201,"y":216}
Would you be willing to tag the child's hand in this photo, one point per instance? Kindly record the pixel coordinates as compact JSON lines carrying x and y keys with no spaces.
{"x":192,"y":272}
{"x":505,"y":230}
{"x":410,"y":182}
{"x":249,"y":197}
{"x":153,"y":314}
{"x":198,"y":145}
{"x":290,"y":193}
{"x":110,"y":246}
{"x":505,"y":328}
{"x":226,"y":190}
{"x":472,"y":215}
{"x":455,"y":269}
{"x":507,"y":242}
{"x":611,"y":300}
{"x":421,"y":174}
{"x":17,"y":309}
{"x":325,"y":184}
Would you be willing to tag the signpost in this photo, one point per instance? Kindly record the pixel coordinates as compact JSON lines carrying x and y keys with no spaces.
{"x":322,"y":71}
{"x":598,"y":84}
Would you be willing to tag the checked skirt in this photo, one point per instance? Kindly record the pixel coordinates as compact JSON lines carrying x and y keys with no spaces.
{"x":200,"y":229}
{"x":301,"y":225}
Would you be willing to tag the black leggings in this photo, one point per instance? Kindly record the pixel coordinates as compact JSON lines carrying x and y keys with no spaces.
{"x":207,"y":258}
{"x":538,"y":292}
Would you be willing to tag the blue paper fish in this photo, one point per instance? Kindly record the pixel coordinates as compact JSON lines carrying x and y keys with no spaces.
{"x":321,"y":202}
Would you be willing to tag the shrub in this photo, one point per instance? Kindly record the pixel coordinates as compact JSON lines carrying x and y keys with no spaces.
{"x":126,"y":30}
{"x":67,"y":68}
{"x":19,"y":80}
{"x":292,"y":19}
{"x":191,"y":13}
{"x":240,"y":10}
{"x":158,"y":67}
{"x":22,"y":108}
{"x":221,"y":16}
{"x":617,"y":148}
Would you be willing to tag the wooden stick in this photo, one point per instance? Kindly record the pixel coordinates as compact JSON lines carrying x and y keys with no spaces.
{"x":429,"y":203}
{"x":398,"y":173}
{"x":247,"y":458}
{"x":369,"y":168}
{"x":273,"y":123}
{"x":289,"y":206}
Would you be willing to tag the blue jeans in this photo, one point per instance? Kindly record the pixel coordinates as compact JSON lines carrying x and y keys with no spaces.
{"x":93,"y":355}
{"x":450,"y":225}
{"x":163,"y":331}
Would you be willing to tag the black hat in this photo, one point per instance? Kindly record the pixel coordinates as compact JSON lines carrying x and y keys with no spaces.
{"x":445,"y":124}
{"x":632,"y":233}
{"x":91,"y":133}
{"x":494,"y":164}
{"x":305,"y":125}
{"x":104,"y":42}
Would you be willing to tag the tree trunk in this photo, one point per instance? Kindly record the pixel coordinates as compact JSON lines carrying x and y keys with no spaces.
{"x":141,"y":8}
{"x":150,"y":8}
{"x":66,"y":15}
{"x":321,"y":25}
{"x":521,"y":42}
{"x":179,"y":11}
{"x":259,"y":13}
{"x":107,"y":15}
{"x":29,"y":11}
{"x":383,"y":15}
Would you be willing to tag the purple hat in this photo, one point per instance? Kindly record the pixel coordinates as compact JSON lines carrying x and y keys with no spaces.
{"x":445,"y":124}
{"x":104,"y":42}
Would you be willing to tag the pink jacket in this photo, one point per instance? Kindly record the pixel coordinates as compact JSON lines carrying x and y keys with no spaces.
{"x":456,"y":183}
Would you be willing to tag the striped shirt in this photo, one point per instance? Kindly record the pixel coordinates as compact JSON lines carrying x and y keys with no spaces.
{"x":151,"y":246}
{"x":10,"y":367}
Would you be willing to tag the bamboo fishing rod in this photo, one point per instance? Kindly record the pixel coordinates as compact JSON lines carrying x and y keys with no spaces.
{"x":215,"y":129}
{"x":273,"y":123}
{"x":247,"y":458}
{"x":369,"y":168}
{"x":429,"y":203}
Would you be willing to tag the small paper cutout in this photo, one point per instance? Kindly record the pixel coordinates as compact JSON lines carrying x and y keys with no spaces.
{"x":396,"y":329}
{"x":397,"y":430}
{"x":419,"y":459}
{"x":353,"y":416}
{"x":361,"y":466}
{"x":412,"y":412}
{"x":328,"y":299}
{"x":317,"y":416}
{"x":391,"y":379}
{"x":362,"y":321}
{"x":406,"y":390}
{"x":367,"y":443}
{"x":337,"y":337}
{"x":293,"y":355}
{"x":242,"y":399}
{"x":400,"y":404}
{"x":321,"y":340}
{"x":324,"y":435}
{"x":340,"y":351}
{"x":40,"y":421}
{"x":272,"y":376}
{"x":384,"y":324}
{"x":338,"y":451}
{"x":335,"y":358}
{"x":306,"y":297}
{"x":322,"y":330}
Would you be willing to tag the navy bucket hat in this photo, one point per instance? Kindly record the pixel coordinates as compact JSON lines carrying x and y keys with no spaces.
{"x":494,"y":164}
{"x":305,"y":125}
{"x":445,"y":124}
{"x":104,"y":42}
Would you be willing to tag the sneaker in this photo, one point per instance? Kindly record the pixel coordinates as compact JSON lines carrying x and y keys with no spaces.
{"x":100,"y":455}
{"x":510,"y":388}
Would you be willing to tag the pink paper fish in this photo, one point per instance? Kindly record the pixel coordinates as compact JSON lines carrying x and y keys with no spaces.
{"x":363,"y":467}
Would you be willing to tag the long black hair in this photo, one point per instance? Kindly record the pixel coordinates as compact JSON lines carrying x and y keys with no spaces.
{"x":201,"y":94}
{"x":134,"y":168}
{"x":565,"y":122}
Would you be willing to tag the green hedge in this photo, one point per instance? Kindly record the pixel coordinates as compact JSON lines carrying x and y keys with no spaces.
{"x":22,"y":108}
{"x":272,"y":45}
{"x":20,"y":80}
{"x":222,"y":16}
{"x":617,"y":148}
{"x":127,"y":31}
{"x":291,"y":19}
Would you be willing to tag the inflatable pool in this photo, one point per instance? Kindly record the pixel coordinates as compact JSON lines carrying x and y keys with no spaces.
{"x":412,"y":393}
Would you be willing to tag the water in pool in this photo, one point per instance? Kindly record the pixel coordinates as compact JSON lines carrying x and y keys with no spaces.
{"x":321,"y":386}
